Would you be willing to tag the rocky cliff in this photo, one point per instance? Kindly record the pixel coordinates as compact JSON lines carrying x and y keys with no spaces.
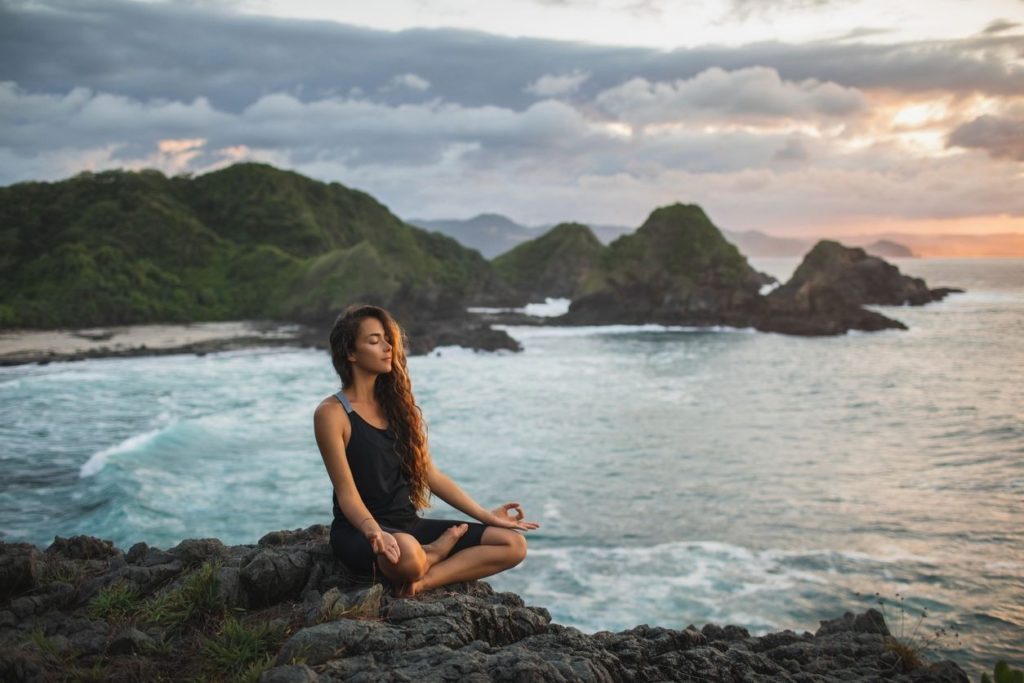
{"x":284,"y":609}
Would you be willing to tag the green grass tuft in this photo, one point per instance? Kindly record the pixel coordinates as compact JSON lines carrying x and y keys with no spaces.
{"x":116,"y":603}
{"x":195,"y":600}
{"x":241,"y":652}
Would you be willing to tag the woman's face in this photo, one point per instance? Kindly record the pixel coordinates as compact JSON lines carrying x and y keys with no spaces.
{"x":372,"y":348}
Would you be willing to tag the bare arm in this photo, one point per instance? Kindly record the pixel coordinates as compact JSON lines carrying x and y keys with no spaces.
{"x":330,"y":425}
{"x":447,"y":490}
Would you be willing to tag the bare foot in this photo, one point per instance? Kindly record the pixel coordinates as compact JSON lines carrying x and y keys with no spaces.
{"x":407,"y":590}
{"x":440,"y":548}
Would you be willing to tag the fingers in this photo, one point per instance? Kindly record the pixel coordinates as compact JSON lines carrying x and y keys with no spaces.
{"x":393,"y":553}
{"x":514,"y":506}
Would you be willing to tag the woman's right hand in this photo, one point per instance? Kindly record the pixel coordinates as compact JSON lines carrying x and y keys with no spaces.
{"x":385,"y":544}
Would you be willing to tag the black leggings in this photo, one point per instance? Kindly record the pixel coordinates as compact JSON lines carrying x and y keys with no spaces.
{"x":356,"y":553}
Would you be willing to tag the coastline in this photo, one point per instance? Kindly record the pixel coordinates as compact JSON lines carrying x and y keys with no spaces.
{"x":22,"y":346}
{"x":152,"y":614}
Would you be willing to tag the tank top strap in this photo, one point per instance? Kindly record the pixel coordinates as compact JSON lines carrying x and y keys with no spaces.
{"x":344,"y":401}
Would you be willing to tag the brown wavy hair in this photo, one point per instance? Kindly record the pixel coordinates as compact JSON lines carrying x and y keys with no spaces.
{"x":393,"y":391}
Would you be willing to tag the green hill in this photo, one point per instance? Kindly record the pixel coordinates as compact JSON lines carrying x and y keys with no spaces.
{"x":249,"y":240}
{"x":676,"y":266}
{"x":555,"y":264}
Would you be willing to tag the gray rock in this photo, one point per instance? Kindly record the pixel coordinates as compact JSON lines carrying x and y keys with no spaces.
{"x":128,"y":641}
{"x":83,"y":548}
{"x":274,"y":575}
{"x":289,"y":673}
{"x":229,"y":587}
{"x":19,"y":568}
{"x":55,"y":596}
{"x":871,"y":621}
{"x":195,"y":551}
{"x":463,"y":632}
{"x":341,"y":638}
{"x":362,"y":603}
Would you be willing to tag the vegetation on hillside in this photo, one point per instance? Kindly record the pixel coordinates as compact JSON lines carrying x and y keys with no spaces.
{"x":247,"y":241}
{"x":677,"y":249}
{"x":554,"y":264}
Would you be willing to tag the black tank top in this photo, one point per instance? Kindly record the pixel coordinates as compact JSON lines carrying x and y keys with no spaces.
{"x":377,"y":471}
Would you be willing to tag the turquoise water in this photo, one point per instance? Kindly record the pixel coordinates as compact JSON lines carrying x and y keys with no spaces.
{"x":680,"y":476}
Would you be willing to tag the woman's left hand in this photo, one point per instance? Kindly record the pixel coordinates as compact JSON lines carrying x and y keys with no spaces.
{"x":501,"y":517}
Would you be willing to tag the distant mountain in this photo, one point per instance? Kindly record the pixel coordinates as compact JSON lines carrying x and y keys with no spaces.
{"x":606,"y":234}
{"x":556,"y":264}
{"x":249,"y":240}
{"x":757,"y":244}
{"x":951,"y":245}
{"x":492,"y":233}
{"x":489,"y":233}
{"x":888,"y":249}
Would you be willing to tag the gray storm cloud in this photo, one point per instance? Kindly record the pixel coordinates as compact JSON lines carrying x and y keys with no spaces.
{"x":446,"y":122}
{"x":1002,"y":137}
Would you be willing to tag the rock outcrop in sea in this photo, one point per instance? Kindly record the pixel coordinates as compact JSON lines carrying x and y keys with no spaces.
{"x":678,"y":269}
{"x":285,"y":609}
{"x":828,"y":291}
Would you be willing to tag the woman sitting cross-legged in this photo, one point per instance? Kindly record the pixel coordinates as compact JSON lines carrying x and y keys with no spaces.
{"x":372,"y":439}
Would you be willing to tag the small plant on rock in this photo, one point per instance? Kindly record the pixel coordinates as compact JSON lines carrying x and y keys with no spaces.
{"x":910,"y":648}
{"x":1004,"y":674}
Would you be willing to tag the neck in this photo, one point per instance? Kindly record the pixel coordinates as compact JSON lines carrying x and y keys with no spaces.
{"x":361,"y":389}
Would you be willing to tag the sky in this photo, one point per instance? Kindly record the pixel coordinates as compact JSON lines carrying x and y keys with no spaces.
{"x":802,"y":118}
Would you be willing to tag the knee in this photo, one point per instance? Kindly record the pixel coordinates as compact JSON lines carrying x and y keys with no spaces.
{"x":517,"y":548}
{"x":412,"y":562}
{"x":411,"y":569}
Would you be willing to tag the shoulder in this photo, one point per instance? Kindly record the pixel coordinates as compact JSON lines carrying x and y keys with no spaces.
{"x":330,"y":410}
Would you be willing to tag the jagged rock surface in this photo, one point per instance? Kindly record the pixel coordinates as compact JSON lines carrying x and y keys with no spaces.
{"x":337,"y":630}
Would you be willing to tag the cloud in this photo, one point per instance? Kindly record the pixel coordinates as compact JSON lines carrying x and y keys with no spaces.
{"x":408,"y":80}
{"x":1002,"y":137}
{"x":750,"y":94}
{"x":741,"y":10}
{"x":552,"y":85}
{"x":793,"y":150}
{"x":133,"y":49}
{"x":438,"y":122}
{"x":999,"y":26}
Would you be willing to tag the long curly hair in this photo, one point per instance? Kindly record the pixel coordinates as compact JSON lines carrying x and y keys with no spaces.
{"x":392,"y":390}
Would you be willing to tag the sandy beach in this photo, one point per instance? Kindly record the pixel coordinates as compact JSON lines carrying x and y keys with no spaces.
{"x":33,"y":346}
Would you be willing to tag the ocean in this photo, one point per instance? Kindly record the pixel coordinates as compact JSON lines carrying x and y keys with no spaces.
{"x":680,"y":476}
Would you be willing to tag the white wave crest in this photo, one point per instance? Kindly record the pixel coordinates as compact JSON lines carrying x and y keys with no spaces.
{"x":530,"y":331}
{"x":98,"y":460}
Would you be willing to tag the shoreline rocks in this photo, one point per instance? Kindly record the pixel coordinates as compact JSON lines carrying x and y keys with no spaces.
{"x":318,"y":624}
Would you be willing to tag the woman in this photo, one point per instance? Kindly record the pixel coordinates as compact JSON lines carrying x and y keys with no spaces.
{"x":373,"y":442}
